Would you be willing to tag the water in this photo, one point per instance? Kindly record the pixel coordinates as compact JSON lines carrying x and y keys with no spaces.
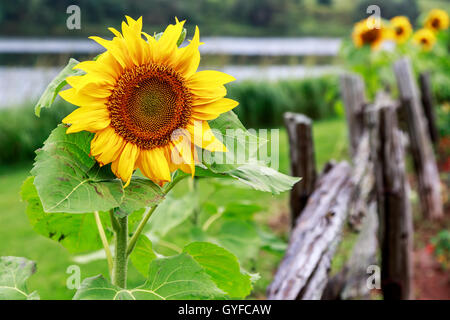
{"x":213,"y":45}
{"x":19,"y":85}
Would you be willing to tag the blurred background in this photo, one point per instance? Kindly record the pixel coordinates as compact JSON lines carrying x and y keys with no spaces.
{"x":286,"y":56}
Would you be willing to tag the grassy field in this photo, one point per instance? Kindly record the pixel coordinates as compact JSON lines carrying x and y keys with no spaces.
{"x":18,"y":239}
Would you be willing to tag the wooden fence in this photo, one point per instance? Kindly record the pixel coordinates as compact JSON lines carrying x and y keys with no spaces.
{"x":371,"y":194}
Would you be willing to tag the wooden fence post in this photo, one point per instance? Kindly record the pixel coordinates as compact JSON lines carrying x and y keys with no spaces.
{"x":420,"y":143}
{"x":393,"y":203}
{"x":303,"y":164}
{"x":427,"y":103}
{"x":303,"y":273}
{"x":354,"y":97}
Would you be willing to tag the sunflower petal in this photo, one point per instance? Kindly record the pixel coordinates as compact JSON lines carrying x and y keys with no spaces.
{"x":188,"y":58}
{"x":203,"y":136}
{"x":153,"y":164}
{"x":124,"y":165}
{"x":208,"y":78}
{"x":80,"y":98}
{"x":87,"y":119}
{"x":106,"y":146}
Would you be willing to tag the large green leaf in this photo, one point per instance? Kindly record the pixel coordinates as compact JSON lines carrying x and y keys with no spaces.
{"x":143,"y":255}
{"x":177,"y":277}
{"x":241,"y":161}
{"x":57,"y":84}
{"x":69,"y":180}
{"x":223,"y":268}
{"x":241,"y":238}
{"x":76,"y":232}
{"x":171,"y":213}
{"x":263,"y":178}
{"x":140,"y":193}
{"x":14,"y":273}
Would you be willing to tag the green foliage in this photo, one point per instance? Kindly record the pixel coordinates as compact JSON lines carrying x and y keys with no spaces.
{"x":14,"y":273}
{"x":173,"y":278}
{"x":240,"y":143}
{"x":441,"y":242}
{"x":171,"y":213}
{"x":262,"y":104}
{"x":220,"y":217}
{"x":76,"y":232}
{"x":143,"y":255}
{"x":223,"y":268}
{"x":59,"y":82}
{"x":69,"y":180}
{"x":21,"y":133}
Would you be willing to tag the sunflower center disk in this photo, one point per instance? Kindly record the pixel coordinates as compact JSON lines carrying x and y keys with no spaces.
{"x":436,"y":23}
{"x":370,"y":36}
{"x":148,"y":104}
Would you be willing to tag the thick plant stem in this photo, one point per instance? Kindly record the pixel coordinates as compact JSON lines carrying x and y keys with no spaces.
{"x":105,"y":243}
{"x":121,"y":257}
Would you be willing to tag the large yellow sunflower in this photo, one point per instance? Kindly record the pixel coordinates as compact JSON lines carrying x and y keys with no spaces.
{"x":425,"y":38}
{"x":146,"y":102}
{"x":401,"y":28}
{"x":364,"y":33}
{"x":437,"y":20}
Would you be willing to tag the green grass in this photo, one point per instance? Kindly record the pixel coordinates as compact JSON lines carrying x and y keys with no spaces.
{"x":18,"y":239}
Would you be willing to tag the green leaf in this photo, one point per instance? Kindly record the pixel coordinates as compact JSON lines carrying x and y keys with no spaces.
{"x":178,"y":277}
{"x":171,"y":213}
{"x":242,"y":145}
{"x":69,"y":180}
{"x":14,"y":273}
{"x":76,"y":232}
{"x":140,"y":193}
{"x":263,"y":178}
{"x":143,"y":255}
{"x":223,"y":268}
{"x":272,"y":243}
{"x":241,"y":238}
{"x":240,"y":210}
{"x":59,"y":82}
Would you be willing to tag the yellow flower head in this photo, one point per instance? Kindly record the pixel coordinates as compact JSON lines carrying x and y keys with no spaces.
{"x":144,"y":99}
{"x":437,"y":20}
{"x":425,"y":38}
{"x":401,"y":29}
{"x":365,"y":32}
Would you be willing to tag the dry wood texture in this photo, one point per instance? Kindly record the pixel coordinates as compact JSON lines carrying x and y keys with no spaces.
{"x":303,"y":272}
{"x":393,"y":203}
{"x":420,"y":143}
{"x":353,"y":95}
{"x":427,"y":103}
{"x":301,"y":145}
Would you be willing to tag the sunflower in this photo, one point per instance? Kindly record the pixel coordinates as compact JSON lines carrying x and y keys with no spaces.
{"x":401,"y":28}
{"x":366,"y":34}
{"x":437,"y":20}
{"x":425,"y":38}
{"x":144,"y":100}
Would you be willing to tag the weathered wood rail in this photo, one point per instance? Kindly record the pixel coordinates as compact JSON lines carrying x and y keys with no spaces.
{"x":371,"y":195}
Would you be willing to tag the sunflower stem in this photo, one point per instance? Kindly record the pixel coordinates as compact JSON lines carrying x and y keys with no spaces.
{"x":148,"y":214}
{"x":139,"y":229}
{"x":121,"y":258}
{"x":105,"y":243}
